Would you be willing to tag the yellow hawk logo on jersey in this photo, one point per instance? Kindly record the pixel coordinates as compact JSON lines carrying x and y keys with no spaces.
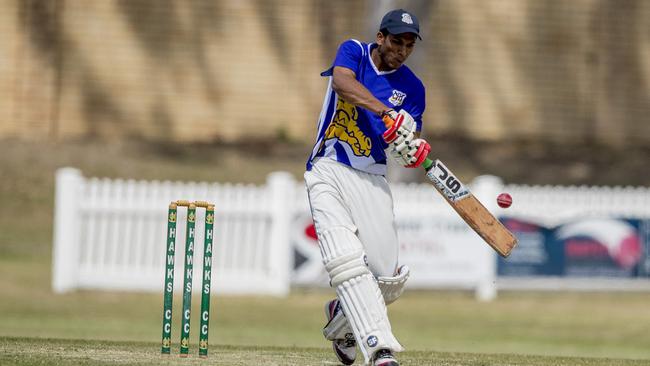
{"x":344,"y":127}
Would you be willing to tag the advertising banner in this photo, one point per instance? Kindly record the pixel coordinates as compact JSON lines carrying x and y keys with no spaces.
{"x":590,"y":247}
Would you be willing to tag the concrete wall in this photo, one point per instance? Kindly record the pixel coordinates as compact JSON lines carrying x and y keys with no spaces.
{"x":170,"y":70}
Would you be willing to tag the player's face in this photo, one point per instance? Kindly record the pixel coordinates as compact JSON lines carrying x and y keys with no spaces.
{"x":394,"y":49}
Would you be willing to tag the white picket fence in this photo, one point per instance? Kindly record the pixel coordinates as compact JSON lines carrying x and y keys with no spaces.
{"x":552,"y":205}
{"x":110,"y":234}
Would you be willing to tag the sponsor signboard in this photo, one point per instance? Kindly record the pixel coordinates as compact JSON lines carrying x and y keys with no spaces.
{"x":590,"y":247}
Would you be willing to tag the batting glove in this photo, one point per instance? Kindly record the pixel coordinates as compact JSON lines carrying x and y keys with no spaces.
{"x":411,"y":154}
{"x":404,"y":125}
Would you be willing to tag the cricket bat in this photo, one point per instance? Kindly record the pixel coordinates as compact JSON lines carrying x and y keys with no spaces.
{"x":470,"y":209}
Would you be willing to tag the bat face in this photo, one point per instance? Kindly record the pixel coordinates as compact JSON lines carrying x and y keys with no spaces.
{"x":466,"y":205}
{"x":471,"y":210}
{"x":446,"y":183}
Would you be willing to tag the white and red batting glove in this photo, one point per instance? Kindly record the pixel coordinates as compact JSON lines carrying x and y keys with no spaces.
{"x":408,"y":150}
{"x":403,"y":126}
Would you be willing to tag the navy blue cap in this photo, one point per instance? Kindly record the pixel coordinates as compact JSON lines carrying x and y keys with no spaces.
{"x":400,"y":21}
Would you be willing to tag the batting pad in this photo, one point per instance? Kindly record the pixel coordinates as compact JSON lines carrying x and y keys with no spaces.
{"x":392,"y":287}
{"x":366,"y":312}
{"x":357,"y":290}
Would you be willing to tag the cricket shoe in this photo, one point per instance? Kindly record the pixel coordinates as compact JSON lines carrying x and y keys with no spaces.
{"x":384,"y":357}
{"x":344,"y":348}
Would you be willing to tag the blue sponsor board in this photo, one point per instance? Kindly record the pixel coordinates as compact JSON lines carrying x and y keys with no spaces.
{"x":594,"y":247}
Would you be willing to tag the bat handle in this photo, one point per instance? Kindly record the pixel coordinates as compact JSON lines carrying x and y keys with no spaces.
{"x":388,"y":122}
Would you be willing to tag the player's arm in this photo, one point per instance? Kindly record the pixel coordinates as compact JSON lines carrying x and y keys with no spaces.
{"x":345,"y":84}
{"x":403,"y":138}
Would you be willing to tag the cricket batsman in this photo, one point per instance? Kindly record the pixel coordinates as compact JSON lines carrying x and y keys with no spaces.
{"x":351,"y":203}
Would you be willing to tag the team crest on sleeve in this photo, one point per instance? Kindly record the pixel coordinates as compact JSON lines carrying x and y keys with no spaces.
{"x":397,"y":98}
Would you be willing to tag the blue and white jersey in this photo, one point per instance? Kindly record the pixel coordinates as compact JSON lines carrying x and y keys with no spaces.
{"x":353,"y":135}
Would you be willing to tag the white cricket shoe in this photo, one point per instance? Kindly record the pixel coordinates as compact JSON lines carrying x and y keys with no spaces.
{"x":344,"y":348}
{"x":384,"y":357}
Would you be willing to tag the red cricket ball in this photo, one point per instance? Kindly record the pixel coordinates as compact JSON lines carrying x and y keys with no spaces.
{"x":504,"y":200}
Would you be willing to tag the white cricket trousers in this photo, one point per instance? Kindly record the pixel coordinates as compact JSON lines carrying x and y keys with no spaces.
{"x":353,"y":216}
{"x":342,"y":196}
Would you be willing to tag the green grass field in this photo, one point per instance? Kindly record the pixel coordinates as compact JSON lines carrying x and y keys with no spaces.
{"x":38,"y":327}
